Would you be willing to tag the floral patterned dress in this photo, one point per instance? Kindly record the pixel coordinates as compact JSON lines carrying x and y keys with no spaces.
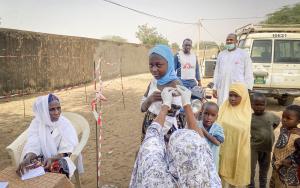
{"x":282,"y":175}
{"x":186,"y":161}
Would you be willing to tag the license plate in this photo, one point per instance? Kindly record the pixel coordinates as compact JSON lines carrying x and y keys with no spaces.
{"x":259,"y":80}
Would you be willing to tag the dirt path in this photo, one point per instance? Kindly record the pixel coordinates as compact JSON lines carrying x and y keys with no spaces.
{"x":122,"y":127}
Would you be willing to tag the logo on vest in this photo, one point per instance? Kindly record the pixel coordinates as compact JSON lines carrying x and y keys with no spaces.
{"x":187,"y":66}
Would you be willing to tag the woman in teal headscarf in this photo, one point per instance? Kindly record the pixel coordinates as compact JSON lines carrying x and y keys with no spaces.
{"x":161,"y":66}
{"x":163,"y":74}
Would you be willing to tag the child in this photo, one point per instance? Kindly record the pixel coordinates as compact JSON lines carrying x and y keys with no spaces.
{"x":262,"y":138}
{"x":161,"y":66}
{"x":284,"y":160}
{"x":212,"y":131}
{"x":235,"y":118}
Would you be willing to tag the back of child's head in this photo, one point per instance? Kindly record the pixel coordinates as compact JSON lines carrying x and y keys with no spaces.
{"x":258,"y":103}
{"x":209,"y":104}
{"x":295,"y":108}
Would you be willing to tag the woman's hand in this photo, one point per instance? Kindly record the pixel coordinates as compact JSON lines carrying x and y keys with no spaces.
{"x":23,"y":166}
{"x":185,"y":95}
{"x":26,"y":164}
{"x":47,"y":164}
{"x":189,"y":115}
{"x":167,"y":96}
{"x":155,"y":96}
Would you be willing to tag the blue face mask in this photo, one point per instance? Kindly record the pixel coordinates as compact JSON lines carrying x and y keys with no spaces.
{"x":229,"y":46}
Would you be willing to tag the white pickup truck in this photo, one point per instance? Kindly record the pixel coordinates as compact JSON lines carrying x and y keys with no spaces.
{"x":275,"y":53}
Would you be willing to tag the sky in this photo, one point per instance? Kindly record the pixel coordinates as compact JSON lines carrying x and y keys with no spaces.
{"x":97,"y":18}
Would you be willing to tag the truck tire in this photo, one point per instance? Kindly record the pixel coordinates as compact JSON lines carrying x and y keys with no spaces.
{"x":285,"y":101}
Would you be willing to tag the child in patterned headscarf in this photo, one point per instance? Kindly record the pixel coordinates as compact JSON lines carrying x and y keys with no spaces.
{"x":161,"y":66}
{"x":285,"y":161}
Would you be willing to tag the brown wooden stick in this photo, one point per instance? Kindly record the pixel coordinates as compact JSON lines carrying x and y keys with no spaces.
{"x":121,"y":75}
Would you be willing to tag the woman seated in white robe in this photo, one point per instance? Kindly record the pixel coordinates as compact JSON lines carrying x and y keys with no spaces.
{"x":51,"y":139}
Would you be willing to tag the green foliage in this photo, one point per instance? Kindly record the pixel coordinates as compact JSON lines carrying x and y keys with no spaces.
{"x":114,"y":38}
{"x":207,"y":44}
{"x":175,"y":46}
{"x":149,"y":36}
{"x":286,"y":15}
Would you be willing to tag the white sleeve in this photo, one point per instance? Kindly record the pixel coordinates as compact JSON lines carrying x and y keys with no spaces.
{"x":69,"y":138}
{"x":143,"y":100}
{"x":33,"y":143}
{"x":249,"y":79}
{"x":65,"y":146}
{"x":216,"y":74}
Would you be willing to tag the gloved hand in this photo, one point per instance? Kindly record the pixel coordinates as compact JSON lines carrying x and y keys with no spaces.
{"x":185,"y":95}
{"x":166,"y":96}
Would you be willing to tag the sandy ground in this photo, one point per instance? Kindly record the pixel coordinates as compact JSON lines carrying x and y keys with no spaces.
{"x":121,"y":126}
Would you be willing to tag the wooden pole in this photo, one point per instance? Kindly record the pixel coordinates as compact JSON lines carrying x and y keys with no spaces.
{"x":121,"y":75}
{"x":96,"y":126}
{"x":23,"y":98}
{"x":198,"y":46}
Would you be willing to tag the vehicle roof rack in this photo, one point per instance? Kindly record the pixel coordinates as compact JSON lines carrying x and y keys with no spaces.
{"x":258,"y":28}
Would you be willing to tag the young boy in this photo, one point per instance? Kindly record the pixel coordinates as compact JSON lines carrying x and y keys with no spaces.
{"x":262,"y":138}
{"x":213,"y":132}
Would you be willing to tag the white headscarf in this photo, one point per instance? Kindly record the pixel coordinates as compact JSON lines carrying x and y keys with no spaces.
{"x":40,"y":140}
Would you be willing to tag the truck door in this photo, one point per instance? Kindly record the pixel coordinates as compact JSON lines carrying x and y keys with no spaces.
{"x":261,"y":55}
{"x":286,"y":66}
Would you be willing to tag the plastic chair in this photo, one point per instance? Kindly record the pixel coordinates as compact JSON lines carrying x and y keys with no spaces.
{"x":80,"y":124}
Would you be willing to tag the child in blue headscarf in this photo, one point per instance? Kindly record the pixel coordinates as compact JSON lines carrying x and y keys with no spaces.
{"x":161,"y":66}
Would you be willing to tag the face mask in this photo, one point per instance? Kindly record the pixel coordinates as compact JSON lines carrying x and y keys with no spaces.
{"x":229,"y":46}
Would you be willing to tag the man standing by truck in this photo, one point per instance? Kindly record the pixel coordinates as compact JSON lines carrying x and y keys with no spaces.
{"x":233,"y":65}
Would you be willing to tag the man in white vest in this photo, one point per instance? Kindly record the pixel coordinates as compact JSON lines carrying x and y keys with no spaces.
{"x":186,"y":66}
{"x":233,"y":65}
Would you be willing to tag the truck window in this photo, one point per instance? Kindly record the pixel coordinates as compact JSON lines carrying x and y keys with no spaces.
{"x":261,"y":51}
{"x":287,"y":51}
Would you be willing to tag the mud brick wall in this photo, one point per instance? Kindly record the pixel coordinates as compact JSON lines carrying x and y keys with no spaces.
{"x":31,"y":62}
